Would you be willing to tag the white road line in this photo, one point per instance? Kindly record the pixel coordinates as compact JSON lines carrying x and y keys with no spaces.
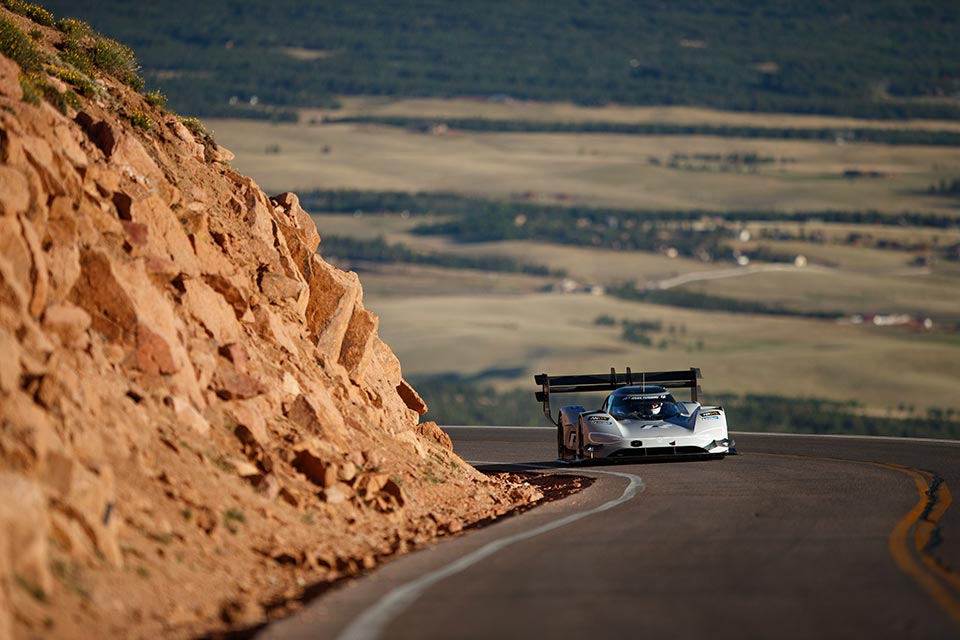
{"x":370,"y":624}
{"x":750,"y":433}
{"x":840,"y":436}
{"x":475,"y":426}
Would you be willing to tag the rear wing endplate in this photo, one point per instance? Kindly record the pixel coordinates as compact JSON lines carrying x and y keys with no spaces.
{"x":689,"y":379}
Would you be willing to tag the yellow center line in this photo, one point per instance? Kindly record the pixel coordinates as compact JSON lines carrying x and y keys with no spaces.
{"x":926,"y":574}
{"x":924,"y":533}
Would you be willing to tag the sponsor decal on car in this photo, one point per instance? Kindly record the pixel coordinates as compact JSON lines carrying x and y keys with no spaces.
{"x":599,"y":419}
{"x":709,"y":413}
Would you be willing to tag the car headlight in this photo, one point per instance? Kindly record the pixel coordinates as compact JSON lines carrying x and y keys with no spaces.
{"x":602,"y":438}
{"x":725,"y":443}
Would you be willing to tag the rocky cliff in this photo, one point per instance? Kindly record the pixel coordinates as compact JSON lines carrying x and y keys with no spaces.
{"x":199,"y":420}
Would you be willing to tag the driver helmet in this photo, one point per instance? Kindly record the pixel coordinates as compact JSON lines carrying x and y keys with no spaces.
{"x":655,"y":407}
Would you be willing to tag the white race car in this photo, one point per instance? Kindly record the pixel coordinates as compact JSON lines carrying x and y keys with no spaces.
{"x":640,"y":419}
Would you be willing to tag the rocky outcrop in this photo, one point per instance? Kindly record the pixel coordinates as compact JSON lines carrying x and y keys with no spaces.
{"x":198,"y":416}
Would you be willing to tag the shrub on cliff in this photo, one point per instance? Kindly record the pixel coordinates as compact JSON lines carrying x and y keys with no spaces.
{"x":17,"y":46}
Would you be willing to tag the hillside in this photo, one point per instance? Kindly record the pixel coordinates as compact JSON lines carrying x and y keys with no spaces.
{"x":888,"y":58}
{"x":200,"y":424}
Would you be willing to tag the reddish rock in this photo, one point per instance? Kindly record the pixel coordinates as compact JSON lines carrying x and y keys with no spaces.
{"x":24,"y":526}
{"x":432,"y":431}
{"x":317,"y":470}
{"x":235,"y":353}
{"x":182,"y":377}
{"x":411,"y":398}
{"x":212,"y":310}
{"x":153,"y":355}
{"x":10,"y":79}
{"x":299,"y":231}
{"x":69,"y":323}
{"x":315,"y":418}
{"x":102,"y":133}
{"x":10,"y":368}
{"x":100,"y":293}
{"x":188,"y":415}
{"x":278,"y":288}
{"x":16,"y":191}
{"x":355,"y":351}
{"x":231,"y":384}
{"x":137,"y":234}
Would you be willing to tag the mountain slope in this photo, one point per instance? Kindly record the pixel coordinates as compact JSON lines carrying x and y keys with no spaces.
{"x":199,"y":419}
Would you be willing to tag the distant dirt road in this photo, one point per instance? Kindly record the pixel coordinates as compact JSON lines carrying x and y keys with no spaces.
{"x":797,"y":537}
{"x":736,"y":272}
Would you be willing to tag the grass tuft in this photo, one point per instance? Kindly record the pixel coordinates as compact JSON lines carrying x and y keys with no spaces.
{"x":18,"y":46}
{"x":35,"y":592}
{"x":195,"y":126}
{"x":39,"y":15}
{"x":231,"y":518}
{"x":141,"y":119}
{"x":117,"y":60}
{"x":33,"y":11}
{"x":156,"y":99}
{"x":78,"y":79}
{"x":88,"y":51}
{"x":32,"y":86}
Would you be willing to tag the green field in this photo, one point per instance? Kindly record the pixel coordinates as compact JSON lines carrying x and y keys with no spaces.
{"x":500,"y":328}
{"x":598,"y":169}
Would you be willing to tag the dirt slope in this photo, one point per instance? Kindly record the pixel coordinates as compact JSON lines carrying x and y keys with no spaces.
{"x":199,"y":420}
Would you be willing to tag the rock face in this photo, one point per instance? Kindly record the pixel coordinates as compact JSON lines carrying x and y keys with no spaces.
{"x":198,"y":416}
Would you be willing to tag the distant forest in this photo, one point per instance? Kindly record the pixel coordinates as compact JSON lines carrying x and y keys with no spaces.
{"x":885,"y":58}
{"x":928,"y":137}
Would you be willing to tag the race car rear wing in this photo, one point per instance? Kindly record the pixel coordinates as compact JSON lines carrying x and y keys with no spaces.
{"x":609,"y":381}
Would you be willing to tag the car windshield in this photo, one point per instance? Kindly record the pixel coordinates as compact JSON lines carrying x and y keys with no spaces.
{"x":643,"y":408}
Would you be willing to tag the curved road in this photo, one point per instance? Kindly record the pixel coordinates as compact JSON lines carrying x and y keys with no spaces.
{"x":797,"y":537}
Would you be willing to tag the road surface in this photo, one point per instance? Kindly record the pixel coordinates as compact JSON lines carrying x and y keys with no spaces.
{"x":797,"y":537}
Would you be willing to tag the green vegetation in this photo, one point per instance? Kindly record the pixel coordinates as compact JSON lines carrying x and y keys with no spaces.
{"x":23,"y":50}
{"x":117,"y":60}
{"x":824,"y":134}
{"x":379,"y":251}
{"x":35,"y":12}
{"x":945,"y":188}
{"x":887,"y":59}
{"x":71,"y":575}
{"x":704,"y":302}
{"x":635,"y":331}
{"x":83,"y":52}
{"x":454,"y":401}
{"x":88,"y":51}
{"x":497,"y":216}
{"x":37,"y":593}
{"x":197,"y":128}
{"x":142,"y":120}
{"x":38,"y":14}
{"x":156,"y":99}
{"x":232,"y":518}
{"x":81,"y":81}
{"x":703,"y":235}
{"x":18,"y":47}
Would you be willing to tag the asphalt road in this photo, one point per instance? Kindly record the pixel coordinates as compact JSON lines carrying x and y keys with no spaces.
{"x":797,"y":537}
